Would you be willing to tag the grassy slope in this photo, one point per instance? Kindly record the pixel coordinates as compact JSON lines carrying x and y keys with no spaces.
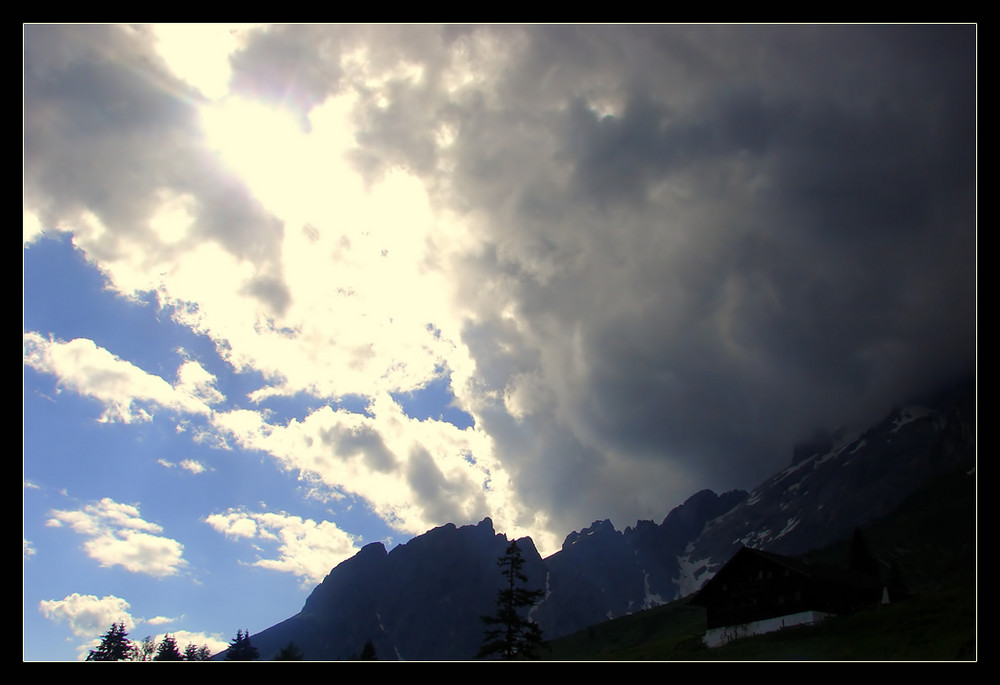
{"x":938,"y":625}
{"x":931,"y":537}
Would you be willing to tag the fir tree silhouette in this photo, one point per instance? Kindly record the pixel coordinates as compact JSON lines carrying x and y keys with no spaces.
{"x":509,"y":634}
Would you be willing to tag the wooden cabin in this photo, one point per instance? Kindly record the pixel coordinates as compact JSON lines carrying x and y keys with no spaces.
{"x":759,"y":592}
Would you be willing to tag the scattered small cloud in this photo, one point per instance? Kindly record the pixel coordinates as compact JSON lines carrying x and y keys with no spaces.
{"x":193,"y":466}
{"x":118,"y":536}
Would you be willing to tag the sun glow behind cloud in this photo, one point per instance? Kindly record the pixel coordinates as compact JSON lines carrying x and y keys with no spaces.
{"x":199,"y":53}
{"x":368,"y":310}
{"x":265,"y":147}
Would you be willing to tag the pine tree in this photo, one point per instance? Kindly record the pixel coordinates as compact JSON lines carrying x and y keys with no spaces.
{"x":167,"y":650}
{"x":509,"y":634}
{"x":368,"y":652}
{"x":240,"y":648}
{"x":115,"y":645}
{"x":289,"y":653}
{"x":195,"y":653}
{"x":861,"y":558}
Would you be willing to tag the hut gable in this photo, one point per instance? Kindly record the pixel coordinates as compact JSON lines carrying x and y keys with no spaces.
{"x":758,"y":592}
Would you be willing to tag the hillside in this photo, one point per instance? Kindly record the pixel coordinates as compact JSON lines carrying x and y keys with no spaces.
{"x":931,"y":537}
{"x":938,"y":625}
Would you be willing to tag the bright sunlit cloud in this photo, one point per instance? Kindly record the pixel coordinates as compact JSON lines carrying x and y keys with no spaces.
{"x":306,"y":548}
{"x":264,"y":146}
{"x":199,"y":53}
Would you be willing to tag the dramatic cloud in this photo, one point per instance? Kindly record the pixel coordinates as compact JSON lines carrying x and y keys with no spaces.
{"x":413,"y":473}
{"x":644,"y":259}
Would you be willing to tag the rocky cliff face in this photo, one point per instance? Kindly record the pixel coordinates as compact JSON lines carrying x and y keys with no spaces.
{"x":422,"y":600}
{"x":601,"y":573}
{"x":848,"y":481}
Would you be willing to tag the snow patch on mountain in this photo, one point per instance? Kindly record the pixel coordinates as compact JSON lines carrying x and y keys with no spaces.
{"x":908,"y":415}
{"x":692,"y":574}
{"x":789,"y":527}
{"x":651,"y":599}
{"x":756,"y":538}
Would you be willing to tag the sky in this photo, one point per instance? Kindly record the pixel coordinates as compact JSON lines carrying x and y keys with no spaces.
{"x":289,"y":290}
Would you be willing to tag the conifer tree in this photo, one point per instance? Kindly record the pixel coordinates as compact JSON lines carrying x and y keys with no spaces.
{"x":509,"y":634}
{"x":368,"y":652}
{"x":195,"y":653}
{"x":240,"y":648}
{"x":861,"y":558}
{"x":115,"y":645}
{"x":289,"y":653}
{"x":167,"y":650}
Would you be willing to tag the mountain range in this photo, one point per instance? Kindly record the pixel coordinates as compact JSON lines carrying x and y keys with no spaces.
{"x":423,"y":599}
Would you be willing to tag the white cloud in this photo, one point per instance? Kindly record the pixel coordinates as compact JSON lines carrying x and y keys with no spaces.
{"x":33,"y":228}
{"x":214,"y":641}
{"x":194,"y":381}
{"x":88,"y":615}
{"x":415,"y":474}
{"x":118,"y":536}
{"x":127,"y":392}
{"x":306,"y":548}
{"x":193,"y":466}
{"x":137,"y":552}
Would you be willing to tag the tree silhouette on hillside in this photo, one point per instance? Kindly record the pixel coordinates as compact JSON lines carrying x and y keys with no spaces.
{"x":368,"y":652}
{"x":289,"y":652}
{"x":510,"y":634}
{"x":195,"y":653}
{"x":167,"y":650}
{"x":115,"y":645}
{"x":240,"y":648}
{"x":861,"y":558}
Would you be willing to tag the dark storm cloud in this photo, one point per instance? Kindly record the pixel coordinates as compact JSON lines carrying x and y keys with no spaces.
{"x":364,"y":441}
{"x":775,"y":231}
{"x":441,"y":499}
{"x":295,"y":65}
